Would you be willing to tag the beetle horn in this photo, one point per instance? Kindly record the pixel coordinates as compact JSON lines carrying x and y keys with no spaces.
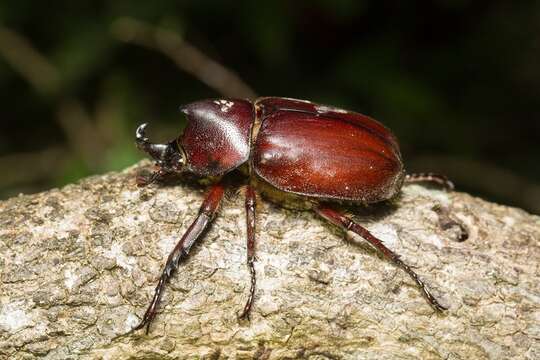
{"x":140,"y":134}
{"x":156,"y":151}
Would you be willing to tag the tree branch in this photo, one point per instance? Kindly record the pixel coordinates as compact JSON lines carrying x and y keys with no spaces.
{"x":78,"y":267}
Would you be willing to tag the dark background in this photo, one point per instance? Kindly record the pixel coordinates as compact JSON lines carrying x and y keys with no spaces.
{"x":457,"y":81}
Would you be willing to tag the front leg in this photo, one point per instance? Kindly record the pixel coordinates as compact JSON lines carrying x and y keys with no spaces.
{"x":145,"y":180}
{"x":206,"y":215}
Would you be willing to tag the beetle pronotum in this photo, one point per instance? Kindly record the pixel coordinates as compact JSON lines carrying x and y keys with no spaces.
{"x":294,"y":152}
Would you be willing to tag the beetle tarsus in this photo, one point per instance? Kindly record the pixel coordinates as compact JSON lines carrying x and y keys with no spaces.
{"x":145,"y":180}
{"x":245,"y":315}
{"x":438,"y":179}
{"x":427,"y":294}
{"x":150,"y":313}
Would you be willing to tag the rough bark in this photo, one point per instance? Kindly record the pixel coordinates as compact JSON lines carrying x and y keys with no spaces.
{"x":79,"y":266}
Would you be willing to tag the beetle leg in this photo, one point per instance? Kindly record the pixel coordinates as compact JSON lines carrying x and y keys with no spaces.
{"x":181,"y":250}
{"x":251,"y":198}
{"x":145,"y":180}
{"x":438,"y":179}
{"x":341,"y":220}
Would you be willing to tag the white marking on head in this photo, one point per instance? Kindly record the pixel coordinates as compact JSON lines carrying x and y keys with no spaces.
{"x":229,"y":128}
{"x":225,"y":105}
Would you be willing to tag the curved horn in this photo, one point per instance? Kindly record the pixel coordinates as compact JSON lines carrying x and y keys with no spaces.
{"x":140,"y":134}
{"x":156,"y":151}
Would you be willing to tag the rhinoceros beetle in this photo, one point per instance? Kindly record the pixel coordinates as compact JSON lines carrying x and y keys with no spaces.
{"x":295,"y":153}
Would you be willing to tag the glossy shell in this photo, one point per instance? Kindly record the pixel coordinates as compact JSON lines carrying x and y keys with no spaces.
{"x":217,"y":136}
{"x":325,"y":152}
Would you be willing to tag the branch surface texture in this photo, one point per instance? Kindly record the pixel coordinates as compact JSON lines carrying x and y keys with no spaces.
{"x":78,"y":267}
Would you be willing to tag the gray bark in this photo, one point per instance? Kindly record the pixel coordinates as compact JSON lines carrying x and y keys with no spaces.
{"x":79,"y":266}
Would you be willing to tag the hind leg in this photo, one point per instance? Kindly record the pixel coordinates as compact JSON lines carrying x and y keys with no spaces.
{"x":338,"y":218}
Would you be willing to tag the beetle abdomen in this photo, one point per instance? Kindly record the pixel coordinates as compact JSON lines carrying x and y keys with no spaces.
{"x":326,"y":157}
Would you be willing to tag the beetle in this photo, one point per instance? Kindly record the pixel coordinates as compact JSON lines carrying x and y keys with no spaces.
{"x":294,"y":152}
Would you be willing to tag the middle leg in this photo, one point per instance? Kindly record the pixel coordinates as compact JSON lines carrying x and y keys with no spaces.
{"x":251,"y":198}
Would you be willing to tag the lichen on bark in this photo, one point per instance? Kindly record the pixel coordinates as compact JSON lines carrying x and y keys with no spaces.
{"x":79,"y":265}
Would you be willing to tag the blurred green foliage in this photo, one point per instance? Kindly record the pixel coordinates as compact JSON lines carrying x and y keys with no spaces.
{"x":457,"y":81}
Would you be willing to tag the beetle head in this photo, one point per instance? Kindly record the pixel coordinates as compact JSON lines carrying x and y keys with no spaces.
{"x":169,"y":157}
